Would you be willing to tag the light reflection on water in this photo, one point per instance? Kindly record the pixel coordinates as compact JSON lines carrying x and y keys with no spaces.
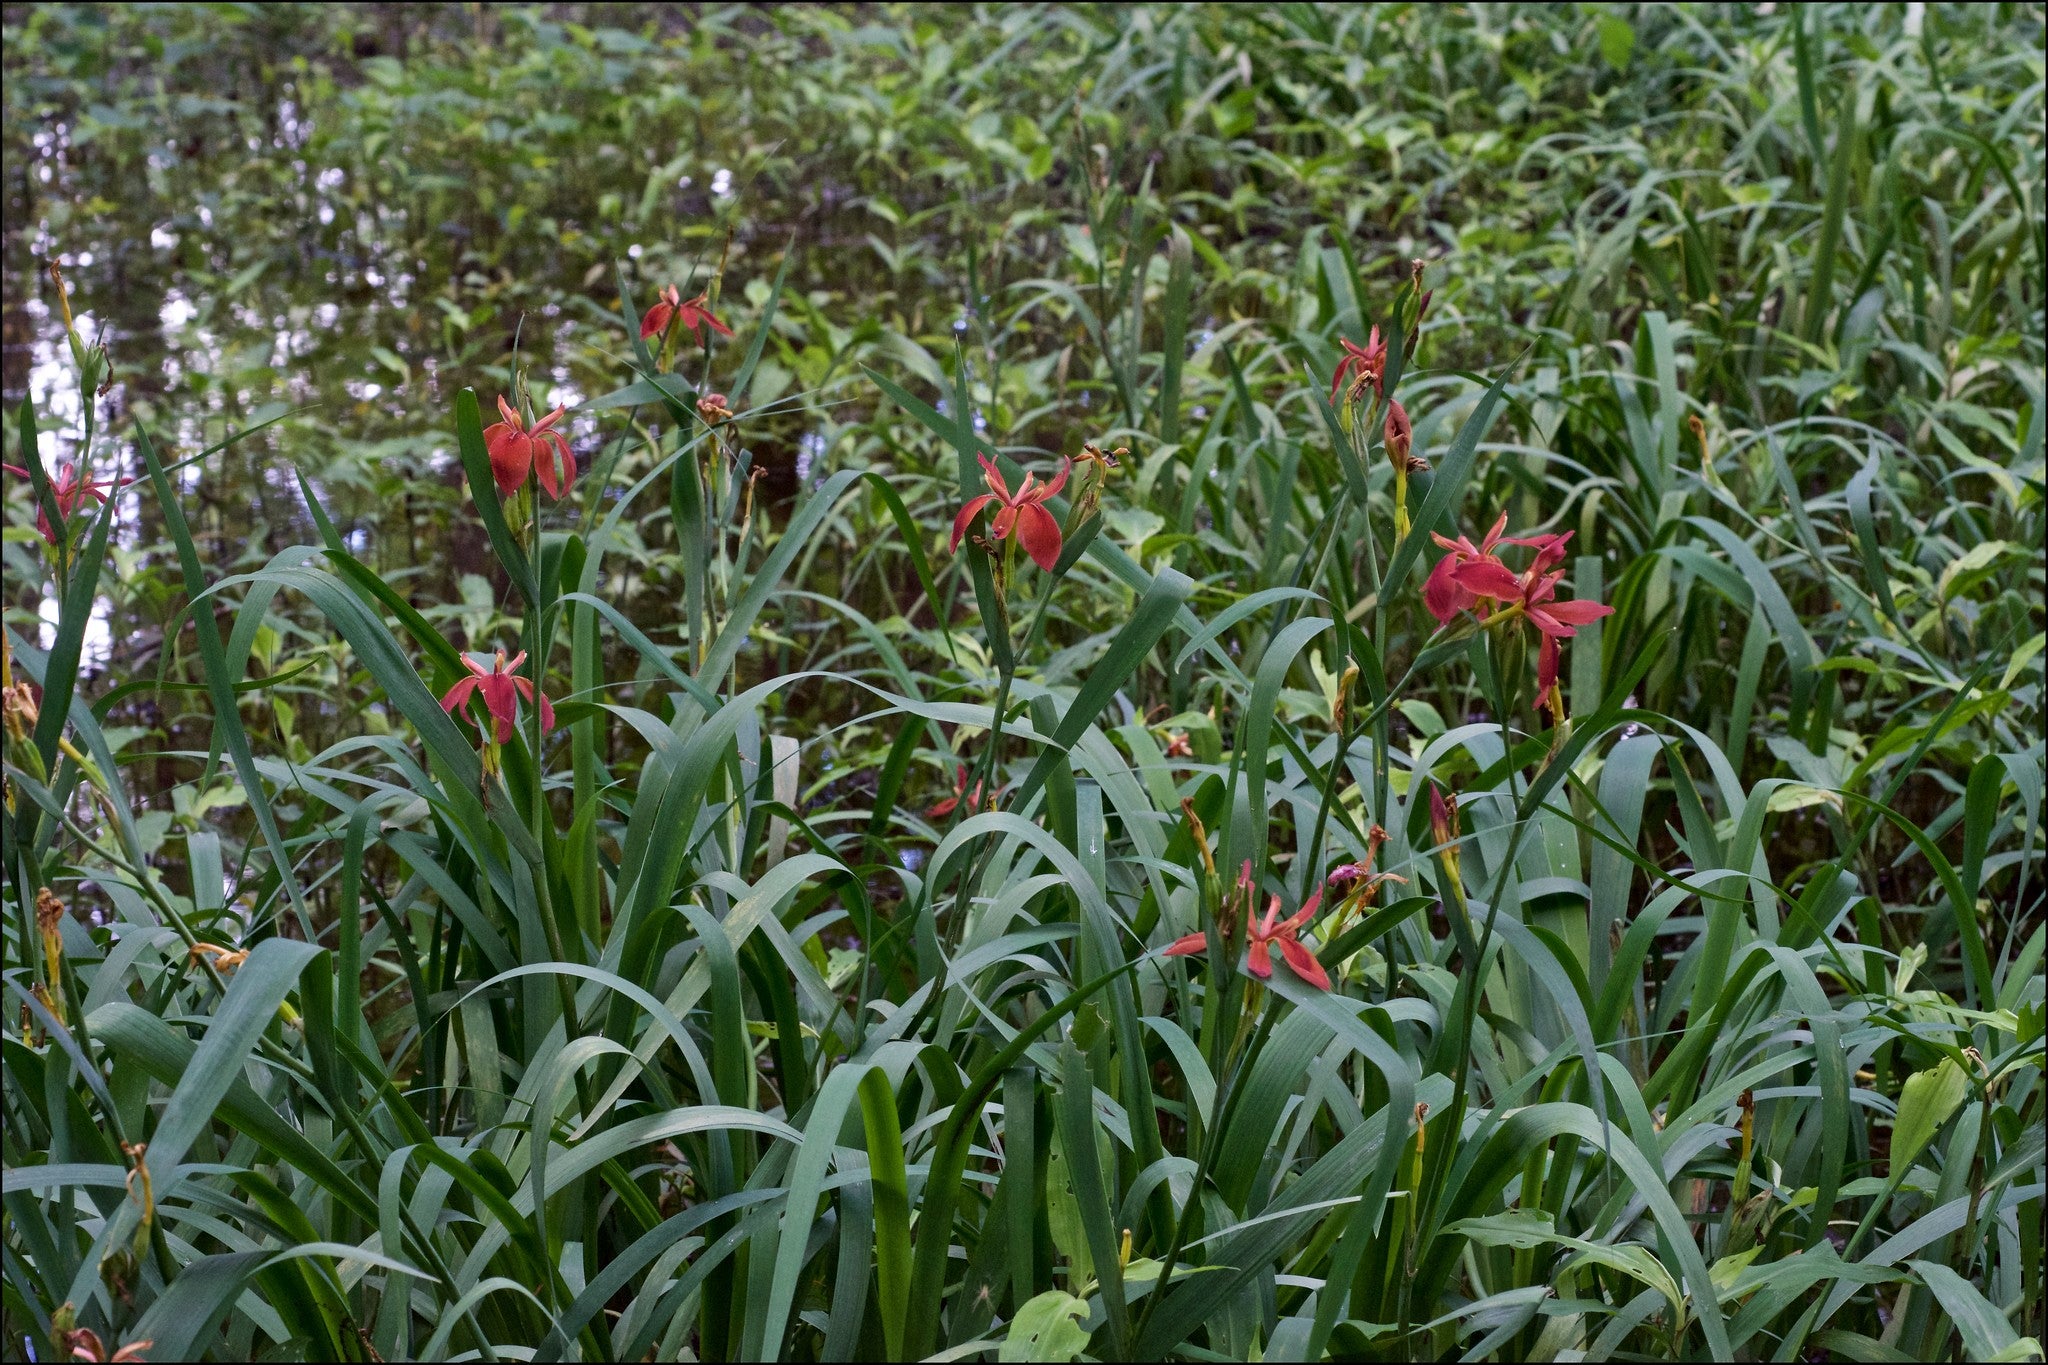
{"x":96,"y":646}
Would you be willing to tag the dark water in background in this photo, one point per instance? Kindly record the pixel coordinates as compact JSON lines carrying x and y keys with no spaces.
{"x":349,"y":215}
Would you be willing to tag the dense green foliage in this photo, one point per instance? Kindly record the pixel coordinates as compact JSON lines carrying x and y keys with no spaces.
{"x":802,"y":991}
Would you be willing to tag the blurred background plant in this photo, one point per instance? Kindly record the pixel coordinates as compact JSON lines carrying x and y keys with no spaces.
{"x":1763,"y":290}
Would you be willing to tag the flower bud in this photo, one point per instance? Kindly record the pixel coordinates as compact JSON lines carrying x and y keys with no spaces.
{"x":1400,"y":435}
{"x":1245,"y":896}
{"x":1443,"y":816}
{"x":50,"y":924}
{"x":747,"y":498}
{"x":91,"y":359}
{"x":1199,"y":834}
{"x":1341,"y":706}
{"x":1443,"y":826}
{"x":1102,"y":461}
{"x":18,"y":706}
{"x":142,"y":1189}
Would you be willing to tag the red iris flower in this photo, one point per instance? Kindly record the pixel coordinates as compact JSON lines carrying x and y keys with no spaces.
{"x":1023,"y":511}
{"x":1470,"y":578}
{"x":944,"y":808}
{"x":501,"y":688}
{"x":695,"y":315}
{"x":514,"y":447}
{"x":1472,"y":572}
{"x":1266,"y":935}
{"x":82,"y":1343}
{"x":69,"y":488}
{"x":1368,"y":362}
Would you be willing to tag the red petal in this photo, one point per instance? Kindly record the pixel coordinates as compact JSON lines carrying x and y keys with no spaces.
{"x":655,"y":319}
{"x":1542,"y":587}
{"x":1487,"y":578}
{"x":1536,"y":542}
{"x":557,"y":465}
{"x":1582,"y":612}
{"x":716,"y":325}
{"x":1493,"y":536}
{"x":1303,"y":915}
{"x":501,"y":699}
{"x":1058,"y":481}
{"x":1040,"y":534}
{"x":1546,"y":665}
{"x":1304,"y":963}
{"x":457,"y":695}
{"x":547,"y":714}
{"x":1259,"y":961}
{"x":1270,"y":925}
{"x":511,"y":457}
{"x":1397,"y":431}
{"x":568,"y":466}
{"x":1441,"y":593}
{"x":942,"y":809}
{"x":1187,"y":945}
{"x":992,"y":475}
{"x":967,"y":515}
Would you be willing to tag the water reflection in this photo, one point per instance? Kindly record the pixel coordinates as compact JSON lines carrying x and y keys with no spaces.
{"x":342,"y":217}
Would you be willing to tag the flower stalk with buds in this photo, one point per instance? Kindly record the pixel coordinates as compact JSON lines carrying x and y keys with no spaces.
{"x":1443,"y":827}
{"x":1399,"y":435}
{"x":1099,"y":463}
{"x":89,"y":357}
{"x":50,"y":928}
